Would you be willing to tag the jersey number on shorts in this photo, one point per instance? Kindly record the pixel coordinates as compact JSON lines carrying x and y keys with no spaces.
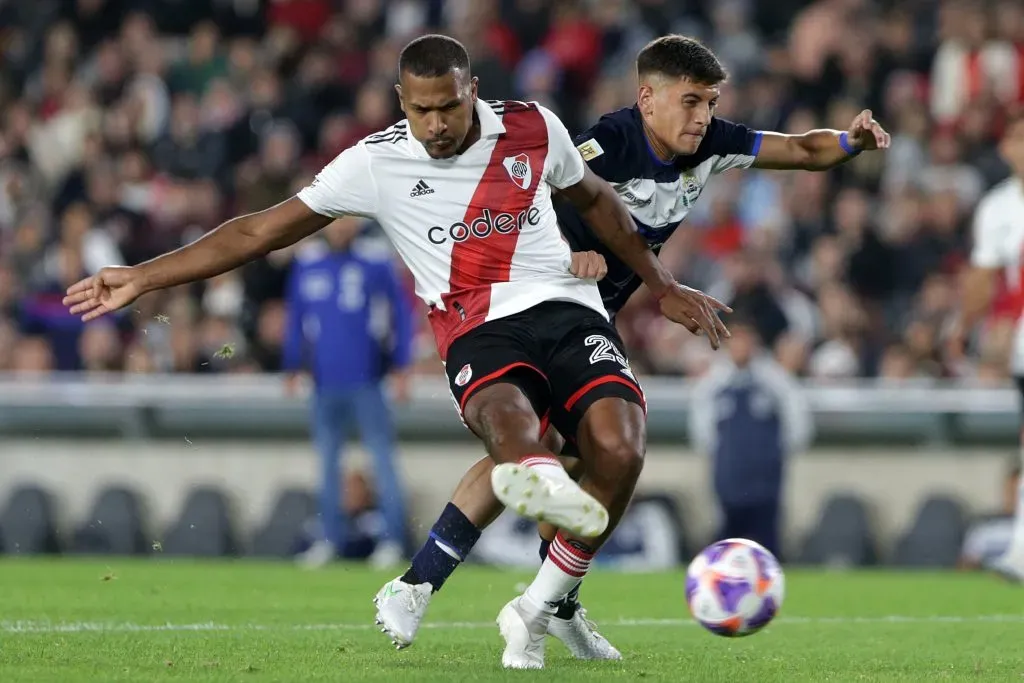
{"x":606,"y":351}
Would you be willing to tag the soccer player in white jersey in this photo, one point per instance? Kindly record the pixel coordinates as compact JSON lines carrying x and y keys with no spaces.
{"x":999,"y":248}
{"x":658,"y":155}
{"x":463,"y":190}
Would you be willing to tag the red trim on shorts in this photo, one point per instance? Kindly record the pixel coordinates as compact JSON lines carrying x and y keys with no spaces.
{"x":497,"y":373}
{"x":575,"y":398}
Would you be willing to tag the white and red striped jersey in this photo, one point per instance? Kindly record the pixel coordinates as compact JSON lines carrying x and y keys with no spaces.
{"x":999,"y":244}
{"x":478,"y":230}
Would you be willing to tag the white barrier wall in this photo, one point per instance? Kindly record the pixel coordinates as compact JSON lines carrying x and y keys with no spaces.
{"x":894,"y":482}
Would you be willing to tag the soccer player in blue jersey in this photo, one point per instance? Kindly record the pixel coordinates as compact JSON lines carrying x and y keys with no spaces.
{"x":658,"y":155}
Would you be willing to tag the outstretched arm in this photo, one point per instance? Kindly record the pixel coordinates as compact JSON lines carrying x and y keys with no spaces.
{"x":230,"y":245}
{"x":345,"y":187}
{"x":820,"y":150}
{"x":233,"y":244}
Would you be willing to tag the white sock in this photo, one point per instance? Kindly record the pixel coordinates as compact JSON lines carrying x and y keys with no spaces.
{"x":564,"y":567}
{"x":545,"y":464}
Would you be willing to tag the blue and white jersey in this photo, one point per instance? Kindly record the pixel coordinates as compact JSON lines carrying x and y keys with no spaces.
{"x":658,"y":194}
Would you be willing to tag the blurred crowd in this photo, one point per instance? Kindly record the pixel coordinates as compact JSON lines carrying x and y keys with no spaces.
{"x":130,"y":127}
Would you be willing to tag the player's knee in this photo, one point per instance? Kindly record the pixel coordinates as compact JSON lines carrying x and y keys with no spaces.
{"x":502,"y":421}
{"x":619,"y":457}
{"x":613,"y":437}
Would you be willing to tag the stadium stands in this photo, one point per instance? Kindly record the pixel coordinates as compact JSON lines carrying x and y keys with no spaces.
{"x":206,"y":527}
{"x":131,"y":126}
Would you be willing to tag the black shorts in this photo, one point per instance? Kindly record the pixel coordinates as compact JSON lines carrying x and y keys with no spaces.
{"x":562,"y":356}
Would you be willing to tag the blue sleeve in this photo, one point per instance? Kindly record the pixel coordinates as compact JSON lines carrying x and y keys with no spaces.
{"x":605,"y":147}
{"x":291,"y":354}
{"x":402,"y":312}
{"x":727,"y":138}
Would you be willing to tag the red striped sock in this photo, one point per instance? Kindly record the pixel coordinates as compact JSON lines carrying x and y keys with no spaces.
{"x":569,"y":558}
{"x":565,"y":565}
{"x":545,"y":464}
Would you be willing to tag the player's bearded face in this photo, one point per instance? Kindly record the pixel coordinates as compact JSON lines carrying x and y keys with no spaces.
{"x":681,"y":111}
{"x":439,"y":109}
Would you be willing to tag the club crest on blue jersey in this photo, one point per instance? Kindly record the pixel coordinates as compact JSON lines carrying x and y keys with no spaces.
{"x":691,"y":187}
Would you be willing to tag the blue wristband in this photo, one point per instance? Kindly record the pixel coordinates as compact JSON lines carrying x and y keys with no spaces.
{"x":844,"y":142}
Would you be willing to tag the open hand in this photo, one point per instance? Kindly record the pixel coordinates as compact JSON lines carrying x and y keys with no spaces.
{"x":105,"y":292}
{"x":866,"y":133}
{"x":588,"y":265}
{"x":696,"y":311}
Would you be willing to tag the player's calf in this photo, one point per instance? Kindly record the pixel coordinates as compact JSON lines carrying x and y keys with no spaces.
{"x":528,"y":478}
{"x":505,"y":419}
{"x":612,"y":440}
{"x":537,"y":488}
{"x":472,"y":508}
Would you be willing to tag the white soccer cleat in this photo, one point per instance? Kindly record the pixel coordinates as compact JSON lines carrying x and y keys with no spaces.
{"x":523,"y":631}
{"x":561,"y":502}
{"x":400,"y":609}
{"x":1010,"y":568}
{"x":580,"y":636}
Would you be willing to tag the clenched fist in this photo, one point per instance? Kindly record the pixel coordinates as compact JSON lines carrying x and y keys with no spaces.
{"x":588,"y":265}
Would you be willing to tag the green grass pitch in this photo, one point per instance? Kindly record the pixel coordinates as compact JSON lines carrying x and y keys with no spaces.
{"x":130,"y":620}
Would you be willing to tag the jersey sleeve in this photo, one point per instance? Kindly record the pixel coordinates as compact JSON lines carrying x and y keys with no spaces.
{"x":603,"y":146}
{"x":985,"y":252}
{"x":564,"y":167}
{"x":732,"y":144}
{"x":345,"y":187}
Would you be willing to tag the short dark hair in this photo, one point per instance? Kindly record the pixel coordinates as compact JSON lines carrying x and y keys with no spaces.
{"x":433,"y":55}
{"x":677,"y":56}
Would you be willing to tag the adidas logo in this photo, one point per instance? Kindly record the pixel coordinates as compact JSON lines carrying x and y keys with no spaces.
{"x":421,"y":189}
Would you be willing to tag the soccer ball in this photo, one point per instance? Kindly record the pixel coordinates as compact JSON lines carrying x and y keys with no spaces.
{"x":734,"y":587}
